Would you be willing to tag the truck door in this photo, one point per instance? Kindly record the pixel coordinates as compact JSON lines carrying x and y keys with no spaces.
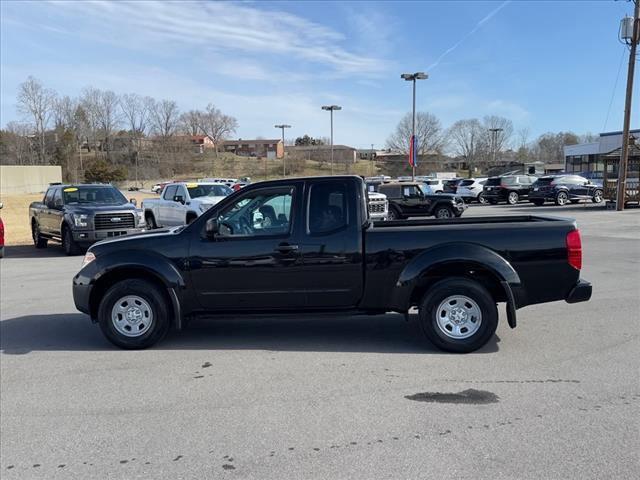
{"x":331,"y":246}
{"x":179,"y":211}
{"x":56,"y":213}
{"x":43,"y":213}
{"x":165,"y":207}
{"x":254,"y":261}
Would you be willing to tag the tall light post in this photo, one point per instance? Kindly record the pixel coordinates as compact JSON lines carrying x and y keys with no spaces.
{"x":413,"y":154}
{"x":284,"y":165}
{"x":331,"y":108}
{"x":494,"y":141}
{"x":629,"y":34}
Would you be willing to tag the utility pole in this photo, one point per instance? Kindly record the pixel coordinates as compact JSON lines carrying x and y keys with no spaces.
{"x":371,"y":162}
{"x":631,"y":40}
{"x":331,"y":108}
{"x":494,"y":141}
{"x":413,"y":154}
{"x":284,"y":165}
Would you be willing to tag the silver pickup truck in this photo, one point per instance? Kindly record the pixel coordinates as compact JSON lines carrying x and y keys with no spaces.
{"x":181,"y":203}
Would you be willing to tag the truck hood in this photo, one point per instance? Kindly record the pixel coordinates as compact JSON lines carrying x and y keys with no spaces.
{"x":208,"y":200}
{"x":132,"y":239}
{"x":83,"y":208}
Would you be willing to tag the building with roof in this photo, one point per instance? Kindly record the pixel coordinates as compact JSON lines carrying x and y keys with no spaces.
{"x":342,"y":154}
{"x":588,"y":159}
{"x":269,"y":148}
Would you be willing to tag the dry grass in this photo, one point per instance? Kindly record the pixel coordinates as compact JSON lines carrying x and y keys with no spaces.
{"x":15,"y":215}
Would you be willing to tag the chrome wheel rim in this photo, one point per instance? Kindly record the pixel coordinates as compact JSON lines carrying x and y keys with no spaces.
{"x":391,"y":215}
{"x":458,"y":317}
{"x":562,"y":198}
{"x":132,"y":316}
{"x":443,"y":213}
{"x":513,"y":198}
{"x":481,"y":199}
{"x":597,"y":197}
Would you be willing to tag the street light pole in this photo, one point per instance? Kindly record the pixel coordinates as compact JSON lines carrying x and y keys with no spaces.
{"x":494,"y":141}
{"x":632,"y":41}
{"x":331,"y":108}
{"x":284,"y":165}
{"x":412,"y":77}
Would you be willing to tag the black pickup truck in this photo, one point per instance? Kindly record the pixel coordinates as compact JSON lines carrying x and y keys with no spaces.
{"x":307,"y":245}
{"x":78,"y":215}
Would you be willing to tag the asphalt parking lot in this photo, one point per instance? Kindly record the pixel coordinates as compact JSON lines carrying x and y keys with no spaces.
{"x":558,"y":397}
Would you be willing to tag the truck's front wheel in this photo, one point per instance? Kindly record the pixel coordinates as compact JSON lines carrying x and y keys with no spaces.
{"x":133,"y":314}
{"x":458,"y":315}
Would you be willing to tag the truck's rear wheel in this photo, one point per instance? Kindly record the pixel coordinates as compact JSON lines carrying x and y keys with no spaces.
{"x":133,"y":314}
{"x":38,"y":240}
{"x":458,"y":315}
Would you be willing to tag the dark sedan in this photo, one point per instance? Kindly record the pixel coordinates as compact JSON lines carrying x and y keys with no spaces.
{"x":562,"y":189}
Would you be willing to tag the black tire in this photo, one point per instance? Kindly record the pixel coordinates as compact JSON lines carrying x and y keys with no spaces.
{"x":537,"y":203}
{"x":598,"y":196}
{"x":151,"y":294}
{"x":394,"y":214}
{"x":191,"y":217}
{"x":513,"y":198}
{"x":68,"y":244}
{"x":450,"y":287}
{"x":150,"y":221}
{"x":561,"y":199}
{"x":443,"y":211}
{"x":38,"y":240}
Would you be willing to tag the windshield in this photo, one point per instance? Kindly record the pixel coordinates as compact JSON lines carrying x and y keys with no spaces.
{"x":196,"y":191}
{"x":103,"y":195}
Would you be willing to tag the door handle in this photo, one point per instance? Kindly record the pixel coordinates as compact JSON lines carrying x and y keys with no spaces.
{"x":286,"y":248}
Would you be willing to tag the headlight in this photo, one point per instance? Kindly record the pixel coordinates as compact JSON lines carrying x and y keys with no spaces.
{"x":140,"y":215}
{"x":80,"y":220}
{"x":88,"y":258}
{"x":204,"y":207}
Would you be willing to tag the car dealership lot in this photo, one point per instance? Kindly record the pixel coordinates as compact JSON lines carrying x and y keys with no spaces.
{"x":318,"y":397}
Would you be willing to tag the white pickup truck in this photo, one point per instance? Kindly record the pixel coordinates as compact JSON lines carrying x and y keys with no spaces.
{"x":181,"y":203}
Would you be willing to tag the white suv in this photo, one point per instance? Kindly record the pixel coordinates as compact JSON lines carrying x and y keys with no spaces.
{"x":470,"y":189}
{"x":436,"y":184}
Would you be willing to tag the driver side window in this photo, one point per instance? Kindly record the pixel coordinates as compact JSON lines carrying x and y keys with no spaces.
{"x":258,"y":213}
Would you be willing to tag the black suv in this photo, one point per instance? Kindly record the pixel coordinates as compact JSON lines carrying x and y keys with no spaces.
{"x":78,"y":215}
{"x":510,"y":188}
{"x":563,"y":189}
{"x":408,"y":199}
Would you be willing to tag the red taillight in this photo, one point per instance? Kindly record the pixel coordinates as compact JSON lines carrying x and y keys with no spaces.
{"x":574,"y":249}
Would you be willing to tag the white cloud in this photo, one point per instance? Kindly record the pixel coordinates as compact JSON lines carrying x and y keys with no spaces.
{"x":220,"y":27}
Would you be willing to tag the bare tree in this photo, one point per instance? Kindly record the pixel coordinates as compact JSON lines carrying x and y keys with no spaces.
{"x":428,"y":134}
{"x":466,"y":138}
{"x":89,"y":102}
{"x":498,"y":141}
{"x":190,"y":122}
{"x":37,"y":102}
{"x":522,"y":139}
{"x":108,"y":116}
{"x":216,"y":125}
{"x":164,"y":117}
{"x":19,"y":147}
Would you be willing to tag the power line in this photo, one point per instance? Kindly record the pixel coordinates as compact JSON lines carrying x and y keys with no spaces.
{"x":615,"y":86}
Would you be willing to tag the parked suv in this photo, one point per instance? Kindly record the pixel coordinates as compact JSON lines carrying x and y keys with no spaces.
{"x":408,"y":199}
{"x":563,"y":189}
{"x":78,"y":215}
{"x":436,"y":184}
{"x":470,"y":189}
{"x":510,"y":188}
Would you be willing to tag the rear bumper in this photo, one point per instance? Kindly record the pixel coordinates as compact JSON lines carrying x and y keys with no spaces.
{"x":581,"y":292}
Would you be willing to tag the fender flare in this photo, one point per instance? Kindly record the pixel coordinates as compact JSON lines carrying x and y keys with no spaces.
{"x":417,"y":271}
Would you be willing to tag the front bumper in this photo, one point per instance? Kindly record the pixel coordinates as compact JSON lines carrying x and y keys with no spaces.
{"x":581,"y":292}
{"x":92,"y":236}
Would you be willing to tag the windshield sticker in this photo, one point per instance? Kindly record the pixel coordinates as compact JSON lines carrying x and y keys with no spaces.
{"x":192,"y":185}
{"x":71,"y":189}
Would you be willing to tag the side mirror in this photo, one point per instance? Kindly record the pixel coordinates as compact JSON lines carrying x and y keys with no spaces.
{"x":178,"y":198}
{"x":133,"y":202}
{"x":211,"y":228}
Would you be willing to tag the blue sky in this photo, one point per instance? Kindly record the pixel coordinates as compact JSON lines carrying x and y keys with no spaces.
{"x":548,"y":65}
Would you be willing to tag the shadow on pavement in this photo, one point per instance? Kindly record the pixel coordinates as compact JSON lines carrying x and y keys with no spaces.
{"x":380,"y":334}
{"x":29,"y":251}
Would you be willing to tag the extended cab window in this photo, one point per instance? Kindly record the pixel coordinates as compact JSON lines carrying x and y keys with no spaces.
{"x":258,"y":213}
{"x":57,"y":198}
{"x":327,"y":207}
{"x":48,"y":197}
